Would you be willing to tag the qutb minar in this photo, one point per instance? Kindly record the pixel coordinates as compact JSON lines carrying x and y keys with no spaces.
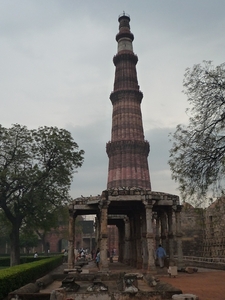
{"x":127,"y":150}
{"x":144,"y":218}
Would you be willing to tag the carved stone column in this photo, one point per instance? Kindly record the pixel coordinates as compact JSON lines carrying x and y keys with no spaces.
{"x":71,"y":238}
{"x":133,"y":244}
{"x":127,"y":252}
{"x":170,"y":233}
{"x":138,"y":241}
{"x":121,"y":233}
{"x":104,"y":264}
{"x":149,"y":238}
{"x":180,"y":262}
{"x":144,"y":243}
{"x":97,"y":233}
{"x":163,"y":229}
{"x":157,"y":235}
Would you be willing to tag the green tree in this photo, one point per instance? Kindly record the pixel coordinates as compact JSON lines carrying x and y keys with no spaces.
{"x":28,"y":240}
{"x":47,"y":220}
{"x":36,"y":171}
{"x":197,"y":155}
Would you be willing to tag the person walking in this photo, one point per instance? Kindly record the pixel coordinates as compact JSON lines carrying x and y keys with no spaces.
{"x":97,"y":259}
{"x":65,"y":256}
{"x":160,"y":254}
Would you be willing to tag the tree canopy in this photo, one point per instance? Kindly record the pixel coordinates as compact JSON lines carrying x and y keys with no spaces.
{"x":36,"y":171}
{"x":197,"y":156}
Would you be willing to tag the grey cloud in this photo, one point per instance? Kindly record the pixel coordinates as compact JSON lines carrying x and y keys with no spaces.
{"x":57,"y":70}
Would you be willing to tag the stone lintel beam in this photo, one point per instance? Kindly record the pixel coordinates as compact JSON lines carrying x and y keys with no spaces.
{"x":165,"y":202}
{"x":83,"y":207}
{"x":117,"y":216}
{"x":147,"y":194}
{"x":125,"y":198}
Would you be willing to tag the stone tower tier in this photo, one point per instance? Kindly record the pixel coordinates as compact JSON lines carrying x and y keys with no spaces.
{"x":125,"y":75}
{"x":128,"y":165}
{"x":126,"y":117}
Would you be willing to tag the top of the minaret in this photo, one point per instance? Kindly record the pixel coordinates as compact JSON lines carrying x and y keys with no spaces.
{"x":124,"y":27}
{"x":124,"y":20}
{"x":124,"y":16}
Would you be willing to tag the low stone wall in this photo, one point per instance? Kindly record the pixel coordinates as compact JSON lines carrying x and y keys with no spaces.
{"x":160,"y":291}
{"x":204,"y":262}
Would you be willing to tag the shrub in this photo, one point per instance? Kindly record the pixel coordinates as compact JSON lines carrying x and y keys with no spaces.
{"x":14,"y":277}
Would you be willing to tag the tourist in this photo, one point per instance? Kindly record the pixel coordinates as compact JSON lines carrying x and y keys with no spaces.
{"x":35,"y":255}
{"x":97,"y":259}
{"x":82,"y":253}
{"x":65,"y":255}
{"x":160,"y":254}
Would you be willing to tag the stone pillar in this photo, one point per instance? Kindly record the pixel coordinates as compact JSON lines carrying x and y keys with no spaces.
{"x":97,"y":233}
{"x":133,"y":242}
{"x":149,"y":238}
{"x":144,"y":243}
{"x":180,"y":262}
{"x":121,"y":234}
{"x":104,"y":264}
{"x":71,"y":238}
{"x":157,"y":235}
{"x":138,"y":241}
{"x":170,"y":233}
{"x":127,"y":246}
{"x":163,"y":229}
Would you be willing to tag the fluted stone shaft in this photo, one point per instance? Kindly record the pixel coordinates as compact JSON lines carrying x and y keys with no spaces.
{"x":149,"y":238}
{"x":144,"y":242}
{"x":127,"y":241}
{"x":163,"y":219}
{"x":170,"y":233}
{"x":104,"y":264}
{"x":179,"y":237}
{"x":71,"y":239}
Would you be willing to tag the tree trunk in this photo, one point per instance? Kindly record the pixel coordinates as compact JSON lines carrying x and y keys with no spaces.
{"x":15,"y":246}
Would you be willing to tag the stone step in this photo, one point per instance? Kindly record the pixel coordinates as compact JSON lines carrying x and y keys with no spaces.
{"x":185,"y":297}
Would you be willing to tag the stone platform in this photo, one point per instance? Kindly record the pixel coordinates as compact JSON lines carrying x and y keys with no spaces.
{"x":121,"y":282}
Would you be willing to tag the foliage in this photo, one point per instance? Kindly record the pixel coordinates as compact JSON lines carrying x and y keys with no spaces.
{"x":36,"y":171}
{"x":55,"y":218}
{"x":28,"y":240}
{"x":15,"y":277}
{"x":197,"y":155}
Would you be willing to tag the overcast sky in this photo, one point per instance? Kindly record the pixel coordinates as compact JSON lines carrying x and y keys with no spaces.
{"x":56,"y":69}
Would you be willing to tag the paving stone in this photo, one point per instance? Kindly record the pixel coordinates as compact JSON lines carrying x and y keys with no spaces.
{"x":185,"y":297}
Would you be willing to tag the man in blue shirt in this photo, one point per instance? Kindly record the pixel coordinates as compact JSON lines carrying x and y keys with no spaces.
{"x":161,"y":254}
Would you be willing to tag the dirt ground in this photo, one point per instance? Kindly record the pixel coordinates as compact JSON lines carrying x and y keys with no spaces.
{"x":206,"y":284}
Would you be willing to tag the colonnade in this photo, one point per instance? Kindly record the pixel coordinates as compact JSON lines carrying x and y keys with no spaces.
{"x":142,"y":225}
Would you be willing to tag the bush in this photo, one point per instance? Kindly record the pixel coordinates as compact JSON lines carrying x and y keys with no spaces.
{"x":15,"y":277}
{"x":5,"y":261}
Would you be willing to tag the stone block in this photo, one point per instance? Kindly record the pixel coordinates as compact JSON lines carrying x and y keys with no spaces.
{"x":172,"y":271}
{"x":185,"y":297}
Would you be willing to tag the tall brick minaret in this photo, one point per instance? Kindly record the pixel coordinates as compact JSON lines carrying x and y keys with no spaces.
{"x":127,"y":150}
